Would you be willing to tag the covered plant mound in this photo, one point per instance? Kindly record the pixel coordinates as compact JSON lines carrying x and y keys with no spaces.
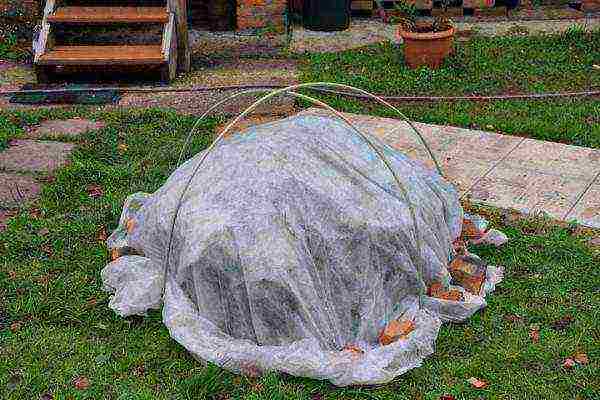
{"x":295,"y":250}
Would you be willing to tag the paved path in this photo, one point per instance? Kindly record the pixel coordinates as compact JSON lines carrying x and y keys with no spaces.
{"x":27,"y":160}
{"x":509,"y":172}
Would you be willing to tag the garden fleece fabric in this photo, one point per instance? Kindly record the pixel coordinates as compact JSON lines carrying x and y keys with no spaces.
{"x":292,"y":242}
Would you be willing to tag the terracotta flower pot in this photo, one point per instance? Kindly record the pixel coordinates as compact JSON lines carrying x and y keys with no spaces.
{"x":426,"y":49}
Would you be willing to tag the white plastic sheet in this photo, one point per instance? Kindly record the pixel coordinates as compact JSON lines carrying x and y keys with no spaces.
{"x":292,"y":242}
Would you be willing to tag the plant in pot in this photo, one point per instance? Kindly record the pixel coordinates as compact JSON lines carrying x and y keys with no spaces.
{"x":426,"y":42}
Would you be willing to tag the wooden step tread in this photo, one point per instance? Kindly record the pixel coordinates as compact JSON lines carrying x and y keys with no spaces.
{"x":104,"y":15}
{"x":103,"y":55}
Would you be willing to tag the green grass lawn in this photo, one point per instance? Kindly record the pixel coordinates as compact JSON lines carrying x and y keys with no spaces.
{"x":482,"y":66}
{"x":62,"y":329}
{"x":55,"y":325}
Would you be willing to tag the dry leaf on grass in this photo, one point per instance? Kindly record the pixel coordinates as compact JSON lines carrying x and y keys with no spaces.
{"x":122,"y":148}
{"x":95,"y":191}
{"x":102,"y":235}
{"x":12,"y":274}
{"x":81,"y":383}
{"x":114,"y":254}
{"x":477,"y":383}
{"x":447,"y":397}
{"x":568,"y":363}
{"x":16,"y":326}
{"x":43,"y":231}
{"x":534,"y":333}
{"x":581,"y":358}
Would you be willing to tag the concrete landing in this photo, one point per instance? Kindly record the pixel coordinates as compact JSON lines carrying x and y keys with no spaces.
{"x":527,"y":175}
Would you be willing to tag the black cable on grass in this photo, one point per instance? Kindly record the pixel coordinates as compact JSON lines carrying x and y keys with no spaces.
{"x":152,"y":90}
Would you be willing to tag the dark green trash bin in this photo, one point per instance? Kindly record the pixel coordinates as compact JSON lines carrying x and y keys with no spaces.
{"x":326,"y":15}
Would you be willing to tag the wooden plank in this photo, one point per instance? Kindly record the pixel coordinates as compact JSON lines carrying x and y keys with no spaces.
{"x":44,"y":39}
{"x":179,"y":8}
{"x":103,"y":15}
{"x":168,"y":36}
{"x":169,"y":71}
{"x":361,"y":5}
{"x":103,"y":55}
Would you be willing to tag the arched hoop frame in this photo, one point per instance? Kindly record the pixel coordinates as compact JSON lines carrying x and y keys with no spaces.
{"x":291,"y":91}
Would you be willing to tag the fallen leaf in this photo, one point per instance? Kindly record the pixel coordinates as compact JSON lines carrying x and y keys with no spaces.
{"x":20,"y":291}
{"x":35,"y":213}
{"x":46,"y":396}
{"x":436,"y":290}
{"x":534,"y":333}
{"x":92,"y":302}
{"x":595,"y":66}
{"x":581,"y":358}
{"x":514,"y":318}
{"x":568,"y":363}
{"x":44,"y":279}
{"x":396,"y":330}
{"x":447,"y":397}
{"x":477,"y":383}
{"x":139,"y":370}
{"x":352,"y":348}
{"x":114,"y":254}
{"x":43,"y":231}
{"x":15,"y":326}
{"x":95,"y":191}
{"x":130,"y":225}
{"x":81,"y":383}
{"x":12,"y":274}
{"x":48,"y":250}
{"x":122,"y":148}
{"x":102,"y":235}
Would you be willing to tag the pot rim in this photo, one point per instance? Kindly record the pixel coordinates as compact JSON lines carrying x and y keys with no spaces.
{"x":425,"y":36}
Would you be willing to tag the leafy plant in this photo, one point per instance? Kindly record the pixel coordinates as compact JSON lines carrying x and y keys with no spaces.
{"x":438,"y":24}
{"x":404,"y":8}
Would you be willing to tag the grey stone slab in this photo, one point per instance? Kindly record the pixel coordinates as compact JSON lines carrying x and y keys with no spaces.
{"x":527,"y":175}
{"x":35,"y":155}
{"x":17,"y":189}
{"x":587,"y":209}
{"x":555,"y":159}
{"x":73,"y":127}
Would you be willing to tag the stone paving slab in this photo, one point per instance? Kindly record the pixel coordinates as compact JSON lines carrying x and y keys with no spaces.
{"x":16,"y":189}
{"x":587,"y":210}
{"x":73,"y":127}
{"x":503,"y":171}
{"x":35,"y":155}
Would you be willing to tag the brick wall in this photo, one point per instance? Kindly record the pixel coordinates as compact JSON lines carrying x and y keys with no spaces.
{"x":252,"y":14}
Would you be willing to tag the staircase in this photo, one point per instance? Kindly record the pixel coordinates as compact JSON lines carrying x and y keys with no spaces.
{"x":65,"y":40}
